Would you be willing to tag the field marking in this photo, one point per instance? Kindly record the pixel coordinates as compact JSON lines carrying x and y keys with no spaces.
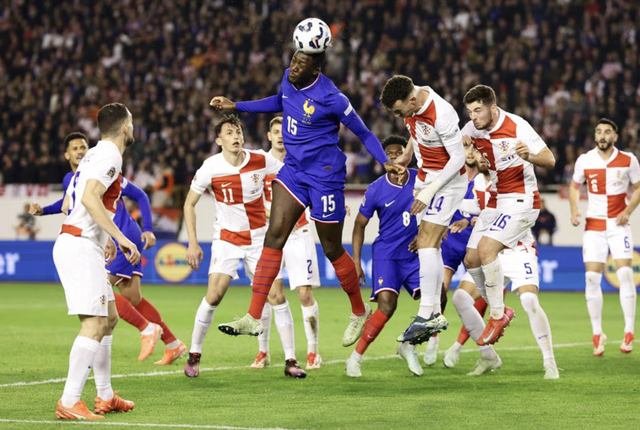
{"x":212,"y":369}
{"x":101,"y":423}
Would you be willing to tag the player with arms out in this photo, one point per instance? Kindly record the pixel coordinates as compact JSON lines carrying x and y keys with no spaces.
{"x":608,"y":173}
{"x":235,"y":179}
{"x":511,"y":148}
{"x":314,"y":175}
{"x":79,"y":256}
{"x":394,"y":266}
{"x":440,"y":188}
{"x":300,"y":259}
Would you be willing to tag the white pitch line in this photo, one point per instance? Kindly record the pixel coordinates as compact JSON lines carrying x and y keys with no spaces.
{"x":212,"y":369}
{"x":101,"y":423}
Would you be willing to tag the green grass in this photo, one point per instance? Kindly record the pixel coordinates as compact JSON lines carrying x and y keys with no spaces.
{"x":36,"y":335}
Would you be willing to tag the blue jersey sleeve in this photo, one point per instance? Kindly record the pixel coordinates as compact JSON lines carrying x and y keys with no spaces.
{"x":353,"y":122}
{"x":268,"y":105}
{"x":56,"y":207}
{"x":135,"y":193}
{"x":369,"y":203}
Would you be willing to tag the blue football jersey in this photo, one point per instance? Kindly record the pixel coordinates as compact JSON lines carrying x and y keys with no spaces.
{"x":462,"y":238}
{"x":125,"y":222}
{"x":397,"y":226}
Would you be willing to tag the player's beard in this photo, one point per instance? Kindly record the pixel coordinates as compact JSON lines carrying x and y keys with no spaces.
{"x":471,"y":164}
{"x":604,"y":145}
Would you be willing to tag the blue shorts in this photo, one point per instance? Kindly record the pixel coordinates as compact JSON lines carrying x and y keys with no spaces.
{"x":326,"y":199}
{"x":453,"y":251}
{"x":121,"y":268}
{"x":390,"y":275}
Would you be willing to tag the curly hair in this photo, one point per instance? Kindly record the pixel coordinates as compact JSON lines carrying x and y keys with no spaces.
{"x":397,"y":88}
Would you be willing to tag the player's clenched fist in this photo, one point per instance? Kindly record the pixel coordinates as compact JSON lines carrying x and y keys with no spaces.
{"x":575,"y":218}
{"x":35,"y":209}
{"x":222,"y":103}
{"x":522,"y":150}
{"x":467,"y":141}
{"x":194,"y":256}
{"x":394,"y":168}
{"x":110,"y":251}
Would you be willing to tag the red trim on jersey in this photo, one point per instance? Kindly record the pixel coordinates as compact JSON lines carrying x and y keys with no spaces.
{"x":302,"y":221}
{"x":615,"y":205}
{"x":429,"y":116}
{"x":482,"y":198}
{"x":536,"y":200}
{"x":268,"y":187}
{"x":434,"y":158}
{"x":228,"y":189}
{"x":239,"y":238}
{"x":256,"y":213}
{"x":594,"y":224}
{"x":111,"y":196}
{"x":596,"y":180}
{"x":511,"y":180}
{"x":422,"y":175}
{"x":486,"y":149}
{"x":622,"y":160}
{"x":493,"y":200}
{"x":256,"y":162}
{"x":506,"y":131}
{"x":71,"y":229}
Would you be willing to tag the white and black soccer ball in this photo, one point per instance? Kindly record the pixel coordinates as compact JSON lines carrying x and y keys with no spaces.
{"x":312,"y":36}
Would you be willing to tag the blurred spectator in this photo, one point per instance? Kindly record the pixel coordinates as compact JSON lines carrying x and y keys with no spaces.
{"x":545,"y":226}
{"x":26,"y":225}
{"x":560,"y":64}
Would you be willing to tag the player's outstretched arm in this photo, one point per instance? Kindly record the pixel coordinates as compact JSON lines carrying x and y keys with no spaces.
{"x":407,"y":154}
{"x":194,"y":251}
{"x":267,"y":105}
{"x":574,"y":198}
{"x":92,"y":201}
{"x":222,"y":103}
{"x":623,"y":217}
{"x":357,"y":241}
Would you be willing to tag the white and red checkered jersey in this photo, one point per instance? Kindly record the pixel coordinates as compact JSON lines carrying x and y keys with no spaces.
{"x":487,"y":198}
{"x":103,"y":163}
{"x":512,"y":176}
{"x":268,"y":198}
{"x":237,"y":192}
{"x":433,"y":128}
{"x":607,"y":184}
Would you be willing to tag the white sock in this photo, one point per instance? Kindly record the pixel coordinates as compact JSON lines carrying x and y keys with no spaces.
{"x":471,"y":318}
{"x":148,"y":330}
{"x":456,"y":346}
{"x":204,"y":316}
{"x":284,"y":324}
{"x":437,"y":307}
{"x":311,"y":318}
{"x":539,"y":325}
{"x":593,"y":294}
{"x":172,"y":345}
{"x":356,"y":356}
{"x":263,"y":339}
{"x":627,"y":297}
{"x":102,"y":369}
{"x":478,"y":277}
{"x":430,"y":265}
{"x":81,"y":358}
{"x":494,"y":284}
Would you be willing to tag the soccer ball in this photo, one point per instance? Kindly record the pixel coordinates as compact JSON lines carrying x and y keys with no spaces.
{"x":312,"y":36}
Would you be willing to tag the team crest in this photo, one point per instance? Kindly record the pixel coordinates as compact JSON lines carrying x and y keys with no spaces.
{"x":380,"y":281}
{"x":619,"y":176}
{"x":504,"y":147}
{"x":103,"y":300}
{"x":256,"y":179}
{"x":112,"y":172}
{"x":425,"y":129}
{"x":308,"y":109}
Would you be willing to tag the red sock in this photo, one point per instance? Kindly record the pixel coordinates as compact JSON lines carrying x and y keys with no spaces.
{"x":372,"y":328}
{"x":152,"y":314}
{"x":346,"y":271}
{"x":128,"y":313}
{"x":267,"y":269}
{"x":481,"y":307}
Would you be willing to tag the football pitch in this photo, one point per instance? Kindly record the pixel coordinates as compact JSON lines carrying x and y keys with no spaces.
{"x":592,"y":392}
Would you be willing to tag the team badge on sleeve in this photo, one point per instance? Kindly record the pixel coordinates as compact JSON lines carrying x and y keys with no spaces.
{"x":112,"y":172}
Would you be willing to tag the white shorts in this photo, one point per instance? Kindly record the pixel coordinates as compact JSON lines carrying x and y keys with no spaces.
{"x":225,"y":258}
{"x":520,"y":267}
{"x":618,"y":239}
{"x":445,"y":202}
{"x":505,"y":226}
{"x":300,"y":258}
{"x":80,"y":264}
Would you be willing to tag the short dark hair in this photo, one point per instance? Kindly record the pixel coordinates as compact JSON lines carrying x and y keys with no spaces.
{"x":227,"y":119}
{"x":73,"y":136}
{"x":480,"y":93}
{"x":397,"y":88}
{"x":607,"y":121}
{"x":111,"y":117}
{"x":394,"y":139}
{"x":275,"y":120}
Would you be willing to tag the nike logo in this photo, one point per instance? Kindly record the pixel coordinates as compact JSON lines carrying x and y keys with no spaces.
{"x":486,"y":339}
{"x":227,"y":184}
{"x":495,"y":229}
{"x":327,"y":215}
{"x":386,"y":205}
{"x":285,"y":97}
{"x":593,"y":176}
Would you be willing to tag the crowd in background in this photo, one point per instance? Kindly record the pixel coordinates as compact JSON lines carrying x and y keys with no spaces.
{"x":560,"y":64}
